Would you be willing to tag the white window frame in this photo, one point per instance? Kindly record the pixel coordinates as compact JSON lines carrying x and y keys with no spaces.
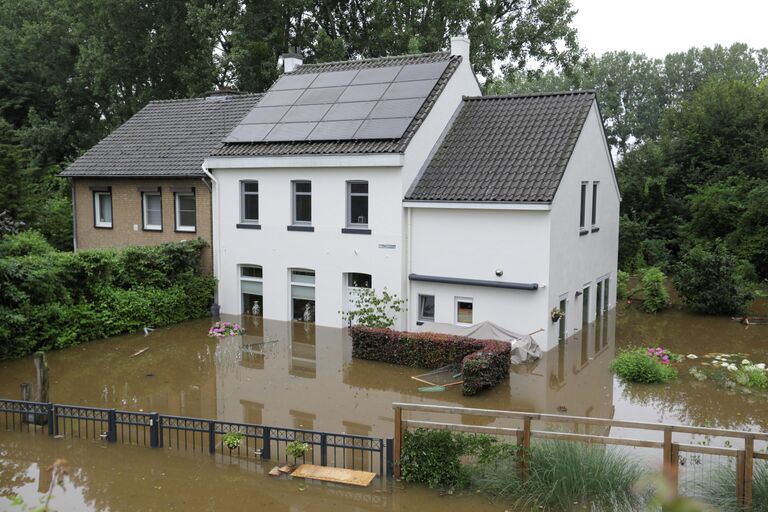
{"x":421,"y":317}
{"x":292,"y":283}
{"x":350,"y":195}
{"x":583,"y":202}
{"x":294,"y":194}
{"x":595,"y":187}
{"x":456,"y":301}
{"x":242,"y":278}
{"x":97,"y":209}
{"x":145,"y":218}
{"x":177,"y":211}
{"x":243,"y":195}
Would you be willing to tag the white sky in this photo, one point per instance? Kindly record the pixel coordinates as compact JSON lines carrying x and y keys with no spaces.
{"x":658,"y":27}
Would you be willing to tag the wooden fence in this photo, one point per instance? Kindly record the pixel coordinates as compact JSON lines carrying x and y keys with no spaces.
{"x":745,"y":456}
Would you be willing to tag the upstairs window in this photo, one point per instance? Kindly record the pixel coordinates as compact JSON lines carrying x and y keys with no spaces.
{"x":594,"y":203}
{"x":302,"y":202}
{"x":102,"y":209}
{"x":357,"y":203}
{"x":152,"y":211}
{"x":249,"y":201}
{"x":583,"y":210}
{"x":186,"y":211}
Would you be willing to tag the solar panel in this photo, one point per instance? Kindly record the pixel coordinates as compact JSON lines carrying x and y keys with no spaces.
{"x":345,"y":111}
{"x":279,"y":98}
{"x":415,"y":89}
{"x":334,"y":79}
{"x":249,"y":132}
{"x":303,"y":113}
{"x":316,"y":96}
{"x":335,"y":130}
{"x":376,"y":75}
{"x":422,"y":71}
{"x":294,"y":82}
{"x":363,"y":92}
{"x":265,"y":115}
{"x":396,"y":108}
{"x":383,"y":128}
{"x":290,"y":131}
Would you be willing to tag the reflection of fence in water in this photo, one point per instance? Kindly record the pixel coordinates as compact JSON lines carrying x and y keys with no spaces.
{"x":197,"y":435}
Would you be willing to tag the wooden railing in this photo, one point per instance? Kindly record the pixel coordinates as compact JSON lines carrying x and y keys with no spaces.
{"x":670,"y":449}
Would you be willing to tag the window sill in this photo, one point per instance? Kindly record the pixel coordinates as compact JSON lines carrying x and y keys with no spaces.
{"x":185,"y":230}
{"x":300,"y":228}
{"x":248,"y":226}
{"x":356,"y":231}
{"x":102,"y":227}
{"x":595,"y":229}
{"x":583,"y":232}
{"x":152,"y":230}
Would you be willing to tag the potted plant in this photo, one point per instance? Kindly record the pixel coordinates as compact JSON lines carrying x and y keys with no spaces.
{"x":297,"y":449}
{"x":232,"y":439}
{"x":223,"y":329}
{"x":556,"y":315}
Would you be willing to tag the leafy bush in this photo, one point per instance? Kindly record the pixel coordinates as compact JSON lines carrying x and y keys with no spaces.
{"x":297,"y":449}
{"x":372,"y":310}
{"x":61,"y":299}
{"x":622,"y":284}
{"x":484,"y":363}
{"x":564,"y":475}
{"x":637,"y":366}
{"x":710,"y":281}
{"x":24,"y":243}
{"x":655,"y":295}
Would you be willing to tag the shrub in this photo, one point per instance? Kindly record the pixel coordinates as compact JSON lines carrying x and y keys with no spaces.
{"x":24,"y":244}
{"x":622,"y":284}
{"x":719,"y":488}
{"x":711,"y":282}
{"x":297,"y":449}
{"x":655,"y":295}
{"x":637,"y":366}
{"x":564,"y":475}
{"x":484,"y":363}
{"x":372,"y":310}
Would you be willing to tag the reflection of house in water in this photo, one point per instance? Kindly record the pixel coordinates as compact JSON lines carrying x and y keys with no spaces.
{"x":308,"y":379}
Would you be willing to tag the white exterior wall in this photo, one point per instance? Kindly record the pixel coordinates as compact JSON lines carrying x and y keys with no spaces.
{"x":473,"y":244}
{"x":575,"y":260}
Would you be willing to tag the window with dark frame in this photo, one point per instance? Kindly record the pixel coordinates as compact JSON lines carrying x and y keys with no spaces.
{"x":102,"y":209}
{"x":357,"y":203}
{"x":594,"y":203}
{"x":186,"y":211}
{"x":152,"y":211}
{"x":427,"y":308}
{"x":302,"y":202}
{"x":358,"y":280}
{"x":249,"y":203}
{"x":583,"y":211}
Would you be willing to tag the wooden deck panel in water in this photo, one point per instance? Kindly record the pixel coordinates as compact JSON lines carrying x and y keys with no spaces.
{"x":335,"y":475}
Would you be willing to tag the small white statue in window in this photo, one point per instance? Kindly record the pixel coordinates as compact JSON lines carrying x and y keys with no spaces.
{"x":256,"y":309}
{"x":308,"y":315}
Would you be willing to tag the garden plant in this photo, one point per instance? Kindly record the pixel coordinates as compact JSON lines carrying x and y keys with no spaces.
{"x":649,"y":365}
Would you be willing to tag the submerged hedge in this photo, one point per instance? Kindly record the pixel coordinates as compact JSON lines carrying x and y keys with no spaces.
{"x":51,"y":299}
{"x":484,"y":363}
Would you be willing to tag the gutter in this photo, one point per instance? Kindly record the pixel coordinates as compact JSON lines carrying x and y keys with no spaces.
{"x":474,"y":282}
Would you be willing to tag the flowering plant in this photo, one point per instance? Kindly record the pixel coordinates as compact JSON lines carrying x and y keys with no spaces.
{"x":663,"y":355}
{"x":221,"y":329}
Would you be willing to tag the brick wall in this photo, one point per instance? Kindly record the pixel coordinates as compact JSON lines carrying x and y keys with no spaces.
{"x":127,"y":226}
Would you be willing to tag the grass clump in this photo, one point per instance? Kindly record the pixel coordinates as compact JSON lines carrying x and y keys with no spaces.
{"x":638,"y":366}
{"x":564,"y":476}
{"x":719,"y":489}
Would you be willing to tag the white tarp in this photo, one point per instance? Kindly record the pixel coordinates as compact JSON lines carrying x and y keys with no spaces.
{"x":524,"y":348}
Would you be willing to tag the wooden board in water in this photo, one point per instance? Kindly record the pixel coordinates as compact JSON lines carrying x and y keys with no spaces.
{"x":336,"y":475}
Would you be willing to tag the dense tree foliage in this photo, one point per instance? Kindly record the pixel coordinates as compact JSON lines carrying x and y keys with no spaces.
{"x":73,"y":70}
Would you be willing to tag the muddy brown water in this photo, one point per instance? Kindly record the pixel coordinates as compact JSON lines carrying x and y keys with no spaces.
{"x":298,"y":375}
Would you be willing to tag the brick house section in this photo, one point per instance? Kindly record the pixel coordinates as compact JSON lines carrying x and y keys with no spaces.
{"x":127,"y":217}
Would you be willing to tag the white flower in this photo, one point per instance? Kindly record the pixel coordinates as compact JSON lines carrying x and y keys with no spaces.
{"x":760,"y":366}
{"x":732,"y":368}
{"x":692,"y":356}
{"x":745,"y":361}
{"x":724,"y":365}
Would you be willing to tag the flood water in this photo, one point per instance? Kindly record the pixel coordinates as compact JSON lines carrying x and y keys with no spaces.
{"x":299,"y":375}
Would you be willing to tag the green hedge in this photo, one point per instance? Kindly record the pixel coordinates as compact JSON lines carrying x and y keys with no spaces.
{"x":484,"y":363}
{"x":51,"y":299}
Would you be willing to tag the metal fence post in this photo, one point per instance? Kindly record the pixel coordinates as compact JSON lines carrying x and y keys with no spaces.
{"x":51,"y":419}
{"x":112,"y":426}
{"x":740,"y":463}
{"x":266,"y":443}
{"x":211,"y":437}
{"x":398,"y":441}
{"x":390,"y":456}
{"x":154,"y":430}
{"x":323,"y":450}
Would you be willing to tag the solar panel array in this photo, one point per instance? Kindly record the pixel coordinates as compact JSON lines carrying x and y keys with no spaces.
{"x":373,"y":103}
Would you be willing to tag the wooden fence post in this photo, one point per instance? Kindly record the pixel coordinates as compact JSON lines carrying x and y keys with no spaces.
{"x":749,"y":461}
{"x":670,"y":461}
{"x":523,"y":451}
{"x":398,"y":440}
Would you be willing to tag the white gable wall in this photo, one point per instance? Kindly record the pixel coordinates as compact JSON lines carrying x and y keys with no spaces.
{"x":576,"y":260}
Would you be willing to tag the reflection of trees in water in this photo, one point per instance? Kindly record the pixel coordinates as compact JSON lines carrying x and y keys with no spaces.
{"x":702,"y":404}
{"x":13,"y":474}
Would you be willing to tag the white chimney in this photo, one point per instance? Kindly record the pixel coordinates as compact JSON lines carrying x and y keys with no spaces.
{"x":460,"y":46}
{"x":291,"y":60}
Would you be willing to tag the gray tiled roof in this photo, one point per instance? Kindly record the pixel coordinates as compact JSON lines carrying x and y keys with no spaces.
{"x":165,"y":138}
{"x":505,"y":148}
{"x":352,"y":146}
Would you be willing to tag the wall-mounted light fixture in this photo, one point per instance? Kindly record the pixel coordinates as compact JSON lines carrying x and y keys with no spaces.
{"x":499,"y":272}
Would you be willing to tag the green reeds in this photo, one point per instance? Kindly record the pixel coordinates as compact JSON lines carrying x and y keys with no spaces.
{"x":719,"y":488}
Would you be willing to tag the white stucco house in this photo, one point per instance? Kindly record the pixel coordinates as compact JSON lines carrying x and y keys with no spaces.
{"x":396,"y":173}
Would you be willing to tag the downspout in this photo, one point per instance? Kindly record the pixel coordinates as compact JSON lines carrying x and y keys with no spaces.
{"x":408,"y":264}
{"x":74,"y":213}
{"x":216,"y":213}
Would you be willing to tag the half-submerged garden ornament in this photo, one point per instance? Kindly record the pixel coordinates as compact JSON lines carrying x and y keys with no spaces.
{"x":222,"y":329}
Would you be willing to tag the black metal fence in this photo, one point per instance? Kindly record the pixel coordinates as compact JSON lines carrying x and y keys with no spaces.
{"x":155,"y":430}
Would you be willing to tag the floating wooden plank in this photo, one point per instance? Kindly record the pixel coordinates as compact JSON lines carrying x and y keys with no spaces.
{"x":135,"y":354}
{"x":335,"y":475}
{"x":275,"y":471}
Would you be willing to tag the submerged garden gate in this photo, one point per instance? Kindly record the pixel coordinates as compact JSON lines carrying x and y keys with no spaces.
{"x":259,"y":442}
